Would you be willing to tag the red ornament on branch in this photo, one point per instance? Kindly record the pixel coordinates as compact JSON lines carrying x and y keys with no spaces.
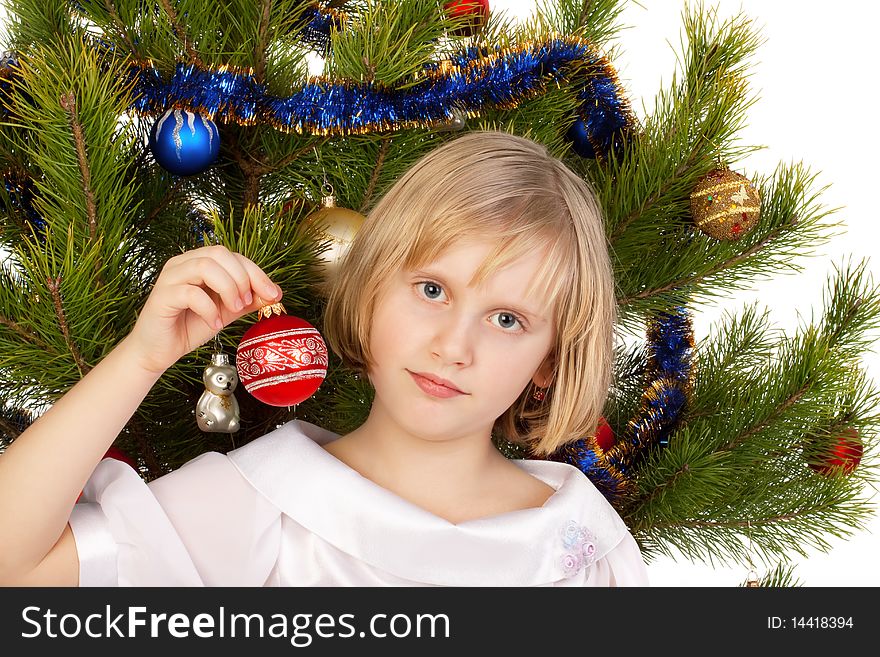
{"x":477,"y":11}
{"x":845,"y":454}
{"x":282,"y":359}
{"x":604,"y":435}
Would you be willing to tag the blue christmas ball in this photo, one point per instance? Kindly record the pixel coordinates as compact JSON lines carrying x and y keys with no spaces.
{"x":580,"y":143}
{"x":184,"y":143}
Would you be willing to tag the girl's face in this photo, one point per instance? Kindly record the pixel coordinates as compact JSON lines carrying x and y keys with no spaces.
{"x":488,"y":342}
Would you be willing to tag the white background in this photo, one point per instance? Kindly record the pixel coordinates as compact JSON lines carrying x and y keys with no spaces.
{"x":816,"y":75}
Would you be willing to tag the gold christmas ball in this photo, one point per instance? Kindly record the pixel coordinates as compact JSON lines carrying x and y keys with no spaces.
{"x":337,"y":226}
{"x":725,"y":205}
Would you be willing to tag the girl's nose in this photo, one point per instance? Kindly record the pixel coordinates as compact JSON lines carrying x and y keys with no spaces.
{"x":453,"y":341}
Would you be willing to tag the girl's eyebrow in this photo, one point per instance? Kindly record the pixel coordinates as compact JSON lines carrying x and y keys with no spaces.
{"x":531,"y":314}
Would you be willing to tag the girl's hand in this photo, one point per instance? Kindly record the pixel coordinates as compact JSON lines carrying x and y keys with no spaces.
{"x":196,"y":295}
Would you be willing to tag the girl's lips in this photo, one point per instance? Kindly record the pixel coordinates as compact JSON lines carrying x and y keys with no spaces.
{"x":434,"y":389}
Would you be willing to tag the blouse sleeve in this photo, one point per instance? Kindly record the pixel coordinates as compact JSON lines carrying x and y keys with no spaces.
{"x":621,"y":566}
{"x":201,"y":525}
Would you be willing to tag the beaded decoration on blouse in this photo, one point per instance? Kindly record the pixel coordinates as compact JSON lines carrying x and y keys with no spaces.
{"x":580,"y":548}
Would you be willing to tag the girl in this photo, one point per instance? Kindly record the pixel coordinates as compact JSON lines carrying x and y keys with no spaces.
{"x":478,"y":296}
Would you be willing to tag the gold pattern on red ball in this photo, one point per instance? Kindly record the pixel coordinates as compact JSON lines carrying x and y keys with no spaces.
{"x":725,"y":205}
{"x":281,"y":359}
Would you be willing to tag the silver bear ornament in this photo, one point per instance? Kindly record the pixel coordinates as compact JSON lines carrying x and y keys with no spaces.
{"x":217,"y":408}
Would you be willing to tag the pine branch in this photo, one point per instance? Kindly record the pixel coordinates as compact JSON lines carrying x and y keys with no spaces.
{"x":54,"y":286}
{"x":388,"y":42}
{"x":585,"y":12}
{"x":123,"y":30}
{"x":594,"y":20}
{"x":245,"y":161}
{"x":743,"y":459}
{"x":642,"y":501}
{"x":717,"y":268}
{"x":23,"y":334}
{"x":811,"y":380}
{"x":294,"y":156}
{"x":853,"y":303}
{"x":251,"y":195}
{"x":654,"y":177}
{"x":163,"y":203}
{"x":739,"y":523}
{"x":779,"y":412}
{"x":808,"y":524}
{"x":663,"y":191}
{"x":737,"y":344}
{"x":68,"y":103}
{"x":262,"y":42}
{"x":252,"y":167}
{"x":371,"y":186}
{"x":180,"y":32}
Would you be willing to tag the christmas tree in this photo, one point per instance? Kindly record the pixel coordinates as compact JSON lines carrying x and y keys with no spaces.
{"x":133,"y":131}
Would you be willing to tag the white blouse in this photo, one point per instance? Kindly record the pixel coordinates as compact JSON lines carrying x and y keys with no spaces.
{"x":281,"y":511}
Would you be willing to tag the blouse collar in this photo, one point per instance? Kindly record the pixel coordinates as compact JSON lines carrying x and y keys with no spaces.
{"x":531,"y":546}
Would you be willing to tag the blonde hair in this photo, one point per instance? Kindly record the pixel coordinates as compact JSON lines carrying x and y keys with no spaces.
{"x":497,"y":185}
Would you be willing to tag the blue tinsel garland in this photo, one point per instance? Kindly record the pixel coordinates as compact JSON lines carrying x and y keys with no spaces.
{"x":471,"y":82}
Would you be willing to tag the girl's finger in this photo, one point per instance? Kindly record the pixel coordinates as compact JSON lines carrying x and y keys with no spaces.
{"x":207,"y":272}
{"x":260,"y":283}
{"x":200,"y":303}
{"x":228,"y":261}
{"x":233,"y":265}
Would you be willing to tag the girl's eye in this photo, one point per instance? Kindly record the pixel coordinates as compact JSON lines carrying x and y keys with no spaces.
{"x":431,"y":290}
{"x":507,"y":320}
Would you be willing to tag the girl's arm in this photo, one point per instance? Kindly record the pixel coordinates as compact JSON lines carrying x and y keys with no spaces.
{"x":43,"y":472}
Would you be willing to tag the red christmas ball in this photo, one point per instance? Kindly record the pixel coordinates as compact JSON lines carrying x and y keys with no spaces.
{"x":845,"y":454}
{"x":282,"y":359}
{"x":604,"y":435}
{"x":477,"y":11}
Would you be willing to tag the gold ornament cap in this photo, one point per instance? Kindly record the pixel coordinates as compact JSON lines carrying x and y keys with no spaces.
{"x":271,"y":309}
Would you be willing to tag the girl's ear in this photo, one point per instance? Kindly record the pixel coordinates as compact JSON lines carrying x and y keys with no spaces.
{"x":544,"y":375}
